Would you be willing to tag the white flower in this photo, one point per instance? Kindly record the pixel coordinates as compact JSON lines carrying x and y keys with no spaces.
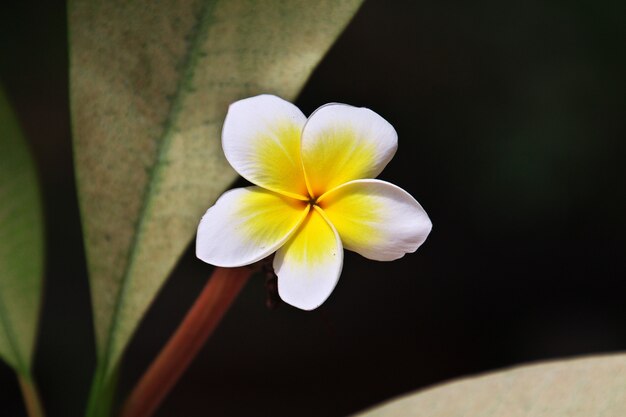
{"x":314,"y":196}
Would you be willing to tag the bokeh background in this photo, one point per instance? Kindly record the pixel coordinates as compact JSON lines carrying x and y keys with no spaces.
{"x":512,"y":125}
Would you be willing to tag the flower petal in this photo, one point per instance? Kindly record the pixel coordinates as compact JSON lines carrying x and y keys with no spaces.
{"x":246,"y":225}
{"x":309,"y":265}
{"x":376,"y":219}
{"x":261,"y":140}
{"x":341,"y":143}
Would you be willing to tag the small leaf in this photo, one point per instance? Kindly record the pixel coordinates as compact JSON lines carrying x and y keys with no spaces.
{"x":150,"y":86}
{"x":593,"y":386}
{"x":21,"y":245}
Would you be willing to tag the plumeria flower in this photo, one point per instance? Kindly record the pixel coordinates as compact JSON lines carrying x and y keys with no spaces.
{"x":313,"y":196}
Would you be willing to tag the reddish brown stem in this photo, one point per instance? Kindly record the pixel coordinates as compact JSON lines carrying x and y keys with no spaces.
{"x":200,"y":322}
{"x":31,"y":396}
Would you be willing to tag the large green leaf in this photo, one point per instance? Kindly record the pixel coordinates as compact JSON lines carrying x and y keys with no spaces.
{"x":593,"y":386}
{"x":150,"y":85}
{"x":21,"y":245}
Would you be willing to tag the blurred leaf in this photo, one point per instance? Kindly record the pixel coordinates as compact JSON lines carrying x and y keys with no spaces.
{"x":21,"y":245}
{"x":593,"y":386}
{"x":150,"y":86}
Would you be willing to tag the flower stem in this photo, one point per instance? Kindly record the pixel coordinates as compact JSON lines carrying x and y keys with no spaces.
{"x":184,"y":345}
{"x":31,"y":396}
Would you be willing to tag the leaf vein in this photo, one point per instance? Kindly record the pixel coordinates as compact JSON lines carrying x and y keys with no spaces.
{"x":189,"y":60}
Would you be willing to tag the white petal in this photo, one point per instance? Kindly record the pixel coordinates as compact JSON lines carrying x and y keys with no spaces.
{"x":261,"y":140}
{"x":376,"y":219}
{"x":246,"y":225}
{"x":309,"y":265}
{"x":341,"y":143}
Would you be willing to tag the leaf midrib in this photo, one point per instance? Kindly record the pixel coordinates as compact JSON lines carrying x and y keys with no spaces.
{"x":188,"y":67}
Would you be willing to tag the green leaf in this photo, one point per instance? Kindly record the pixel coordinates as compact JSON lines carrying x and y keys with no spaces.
{"x":150,"y":86}
{"x":592,"y":386}
{"x":21,"y":245}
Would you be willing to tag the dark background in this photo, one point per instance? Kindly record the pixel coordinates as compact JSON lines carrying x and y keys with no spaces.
{"x":512,"y":125}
